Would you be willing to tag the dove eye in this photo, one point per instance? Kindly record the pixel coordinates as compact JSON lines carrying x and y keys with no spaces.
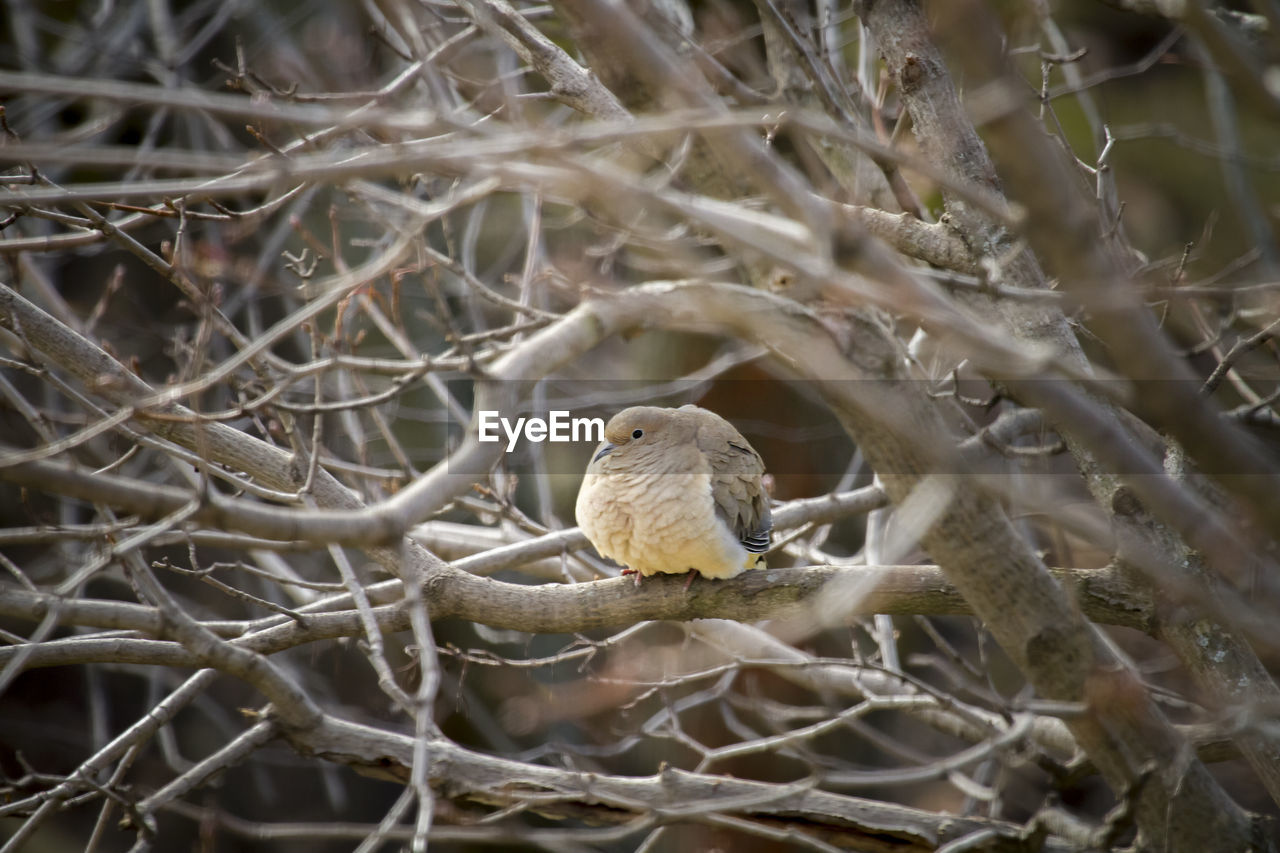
{"x":637,"y":433}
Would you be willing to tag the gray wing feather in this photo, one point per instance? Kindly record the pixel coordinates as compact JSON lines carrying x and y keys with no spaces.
{"x":741,"y":502}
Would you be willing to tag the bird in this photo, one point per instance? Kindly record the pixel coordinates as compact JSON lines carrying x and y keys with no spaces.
{"x":674,"y":491}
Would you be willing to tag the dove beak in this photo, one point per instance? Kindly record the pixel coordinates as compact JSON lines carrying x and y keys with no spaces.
{"x":603,"y":452}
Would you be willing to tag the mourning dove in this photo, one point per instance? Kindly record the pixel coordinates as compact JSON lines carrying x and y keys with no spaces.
{"x":675,"y":490}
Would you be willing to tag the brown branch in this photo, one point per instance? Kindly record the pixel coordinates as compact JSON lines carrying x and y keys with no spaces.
{"x":671,"y":795}
{"x":1096,"y":431}
{"x":571,"y":84}
{"x":1103,"y":594}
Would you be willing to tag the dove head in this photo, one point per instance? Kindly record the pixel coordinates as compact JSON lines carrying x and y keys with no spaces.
{"x":642,"y":432}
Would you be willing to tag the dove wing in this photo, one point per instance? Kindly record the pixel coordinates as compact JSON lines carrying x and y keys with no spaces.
{"x":736,"y":488}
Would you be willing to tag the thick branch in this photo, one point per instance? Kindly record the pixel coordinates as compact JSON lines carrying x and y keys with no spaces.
{"x":560,"y":608}
{"x":671,"y":795}
{"x":1096,"y":431}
